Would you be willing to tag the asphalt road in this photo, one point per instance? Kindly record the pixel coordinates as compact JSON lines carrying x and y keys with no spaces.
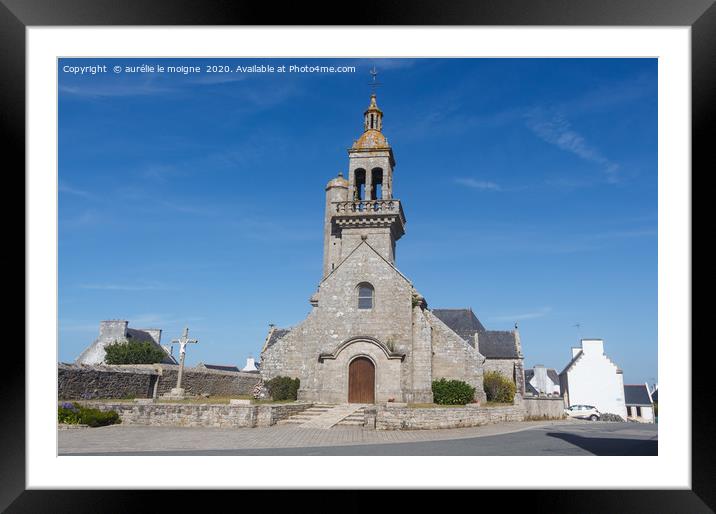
{"x":594,"y":438}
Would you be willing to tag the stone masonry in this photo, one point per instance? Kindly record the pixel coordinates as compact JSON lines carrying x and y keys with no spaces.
{"x":201,"y":415}
{"x":365,"y":309}
{"x":147,"y":381}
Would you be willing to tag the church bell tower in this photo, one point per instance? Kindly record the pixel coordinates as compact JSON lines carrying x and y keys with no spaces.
{"x":362,"y":208}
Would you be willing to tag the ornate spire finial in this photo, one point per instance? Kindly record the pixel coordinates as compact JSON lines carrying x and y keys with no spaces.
{"x":374,"y":73}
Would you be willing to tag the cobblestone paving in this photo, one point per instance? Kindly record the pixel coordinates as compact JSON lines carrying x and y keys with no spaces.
{"x":119,"y":438}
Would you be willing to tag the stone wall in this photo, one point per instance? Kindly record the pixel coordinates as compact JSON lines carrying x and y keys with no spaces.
{"x":544,"y":407}
{"x":406,"y":418}
{"x":201,"y":415}
{"x":78,"y":382}
{"x":207,"y":381}
{"x":144,"y":381}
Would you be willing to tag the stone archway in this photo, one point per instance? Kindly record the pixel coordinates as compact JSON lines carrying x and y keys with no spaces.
{"x":361,"y":381}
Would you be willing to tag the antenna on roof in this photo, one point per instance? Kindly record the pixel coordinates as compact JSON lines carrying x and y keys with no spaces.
{"x":579,"y":329}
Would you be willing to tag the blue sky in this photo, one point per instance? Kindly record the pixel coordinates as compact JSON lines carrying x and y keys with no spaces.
{"x":529,"y":186}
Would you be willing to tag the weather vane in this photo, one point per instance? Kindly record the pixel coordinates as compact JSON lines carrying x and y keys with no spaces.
{"x":374,"y":73}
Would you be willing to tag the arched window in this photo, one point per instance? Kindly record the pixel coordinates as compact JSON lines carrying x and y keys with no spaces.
{"x":365,"y":295}
{"x":359,"y":184}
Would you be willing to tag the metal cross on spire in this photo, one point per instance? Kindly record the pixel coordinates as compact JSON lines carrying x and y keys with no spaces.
{"x":374,"y":73}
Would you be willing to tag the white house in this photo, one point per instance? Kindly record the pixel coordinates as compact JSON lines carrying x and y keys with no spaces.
{"x":541,"y":381}
{"x":591,"y":378}
{"x":639,"y":403}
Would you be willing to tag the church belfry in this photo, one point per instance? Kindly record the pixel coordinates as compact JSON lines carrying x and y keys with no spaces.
{"x":362,"y":208}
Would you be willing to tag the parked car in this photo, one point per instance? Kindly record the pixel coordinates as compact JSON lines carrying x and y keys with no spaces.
{"x":583,"y":412}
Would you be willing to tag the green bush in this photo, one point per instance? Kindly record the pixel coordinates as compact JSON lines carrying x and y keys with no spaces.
{"x":134,"y":352}
{"x":76,"y":414}
{"x":498,"y":387}
{"x":283,"y":388}
{"x":452,"y":392}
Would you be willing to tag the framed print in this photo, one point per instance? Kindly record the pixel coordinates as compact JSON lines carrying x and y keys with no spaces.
{"x":177,"y":95}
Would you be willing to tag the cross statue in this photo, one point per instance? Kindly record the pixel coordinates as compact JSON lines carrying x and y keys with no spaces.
{"x":182,"y":342}
{"x":374,"y":73}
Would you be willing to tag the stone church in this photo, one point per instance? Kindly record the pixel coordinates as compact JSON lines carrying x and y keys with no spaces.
{"x":370,"y":336}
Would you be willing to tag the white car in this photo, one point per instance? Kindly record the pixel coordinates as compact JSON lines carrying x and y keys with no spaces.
{"x":583,"y":412}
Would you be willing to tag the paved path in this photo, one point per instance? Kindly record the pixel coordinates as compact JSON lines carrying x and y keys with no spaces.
{"x":517,"y":438}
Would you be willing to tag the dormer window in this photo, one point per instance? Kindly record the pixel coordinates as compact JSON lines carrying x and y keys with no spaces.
{"x":365,"y":295}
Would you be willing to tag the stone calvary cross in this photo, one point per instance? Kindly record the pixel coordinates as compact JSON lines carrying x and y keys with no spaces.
{"x":182,"y":342}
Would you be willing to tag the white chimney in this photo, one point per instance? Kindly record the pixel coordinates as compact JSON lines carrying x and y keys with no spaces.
{"x":250,"y":365}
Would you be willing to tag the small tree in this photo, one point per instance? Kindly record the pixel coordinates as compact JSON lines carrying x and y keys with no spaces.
{"x":498,"y":388}
{"x":133,"y":352}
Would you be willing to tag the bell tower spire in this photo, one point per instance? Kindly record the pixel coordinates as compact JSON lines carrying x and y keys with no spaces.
{"x":373,"y":116}
{"x":362,"y":208}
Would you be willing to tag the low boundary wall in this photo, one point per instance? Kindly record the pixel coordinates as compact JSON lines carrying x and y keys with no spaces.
{"x":542,"y":407}
{"x":201,"y":415}
{"x":407,"y":418}
{"x":75,"y":382}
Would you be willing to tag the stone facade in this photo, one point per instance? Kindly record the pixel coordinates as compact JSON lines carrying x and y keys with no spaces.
{"x":148,"y":381}
{"x":201,"y":415}
{"x":365,"y":308}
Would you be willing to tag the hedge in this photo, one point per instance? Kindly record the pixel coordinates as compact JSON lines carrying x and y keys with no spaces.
{"x":283,"y":388}
{"x":134,"y":352}
{"x":76,"y":414}
{"x":452,"y":392}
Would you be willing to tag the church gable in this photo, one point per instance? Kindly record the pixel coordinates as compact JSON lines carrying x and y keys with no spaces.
{"x":364,"y":266}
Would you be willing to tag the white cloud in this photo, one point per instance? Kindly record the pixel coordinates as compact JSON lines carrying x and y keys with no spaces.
{"x":538,"y":313}
{"x":484,"y":185}
{"x":556,"y":130}
{"x":63,"y":187}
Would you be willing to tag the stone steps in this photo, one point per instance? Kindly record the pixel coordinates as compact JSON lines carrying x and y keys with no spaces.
{"x":325,"y":416}
{"x":306,"y":415}
{"x":357,"y":419}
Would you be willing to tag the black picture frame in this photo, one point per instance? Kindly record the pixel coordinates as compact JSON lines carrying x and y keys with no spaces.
{"x":17,"y":15}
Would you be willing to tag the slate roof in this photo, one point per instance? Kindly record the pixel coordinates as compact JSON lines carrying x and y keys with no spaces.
{"x":636,"y":395}
{"x":553,"y":376}
{"x":655,"y":396}
{"x":220,"y":367}
{"x":139,"y":335}
{"x":461,"y":321}
{"x":493,"y":344}
{"x":529,"y":373}
{"x":551,"y":373}
{"x":497,"y":344}
{"x":277,"y":334}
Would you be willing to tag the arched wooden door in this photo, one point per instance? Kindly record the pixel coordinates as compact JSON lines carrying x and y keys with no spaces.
{"x":361,"y":381}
